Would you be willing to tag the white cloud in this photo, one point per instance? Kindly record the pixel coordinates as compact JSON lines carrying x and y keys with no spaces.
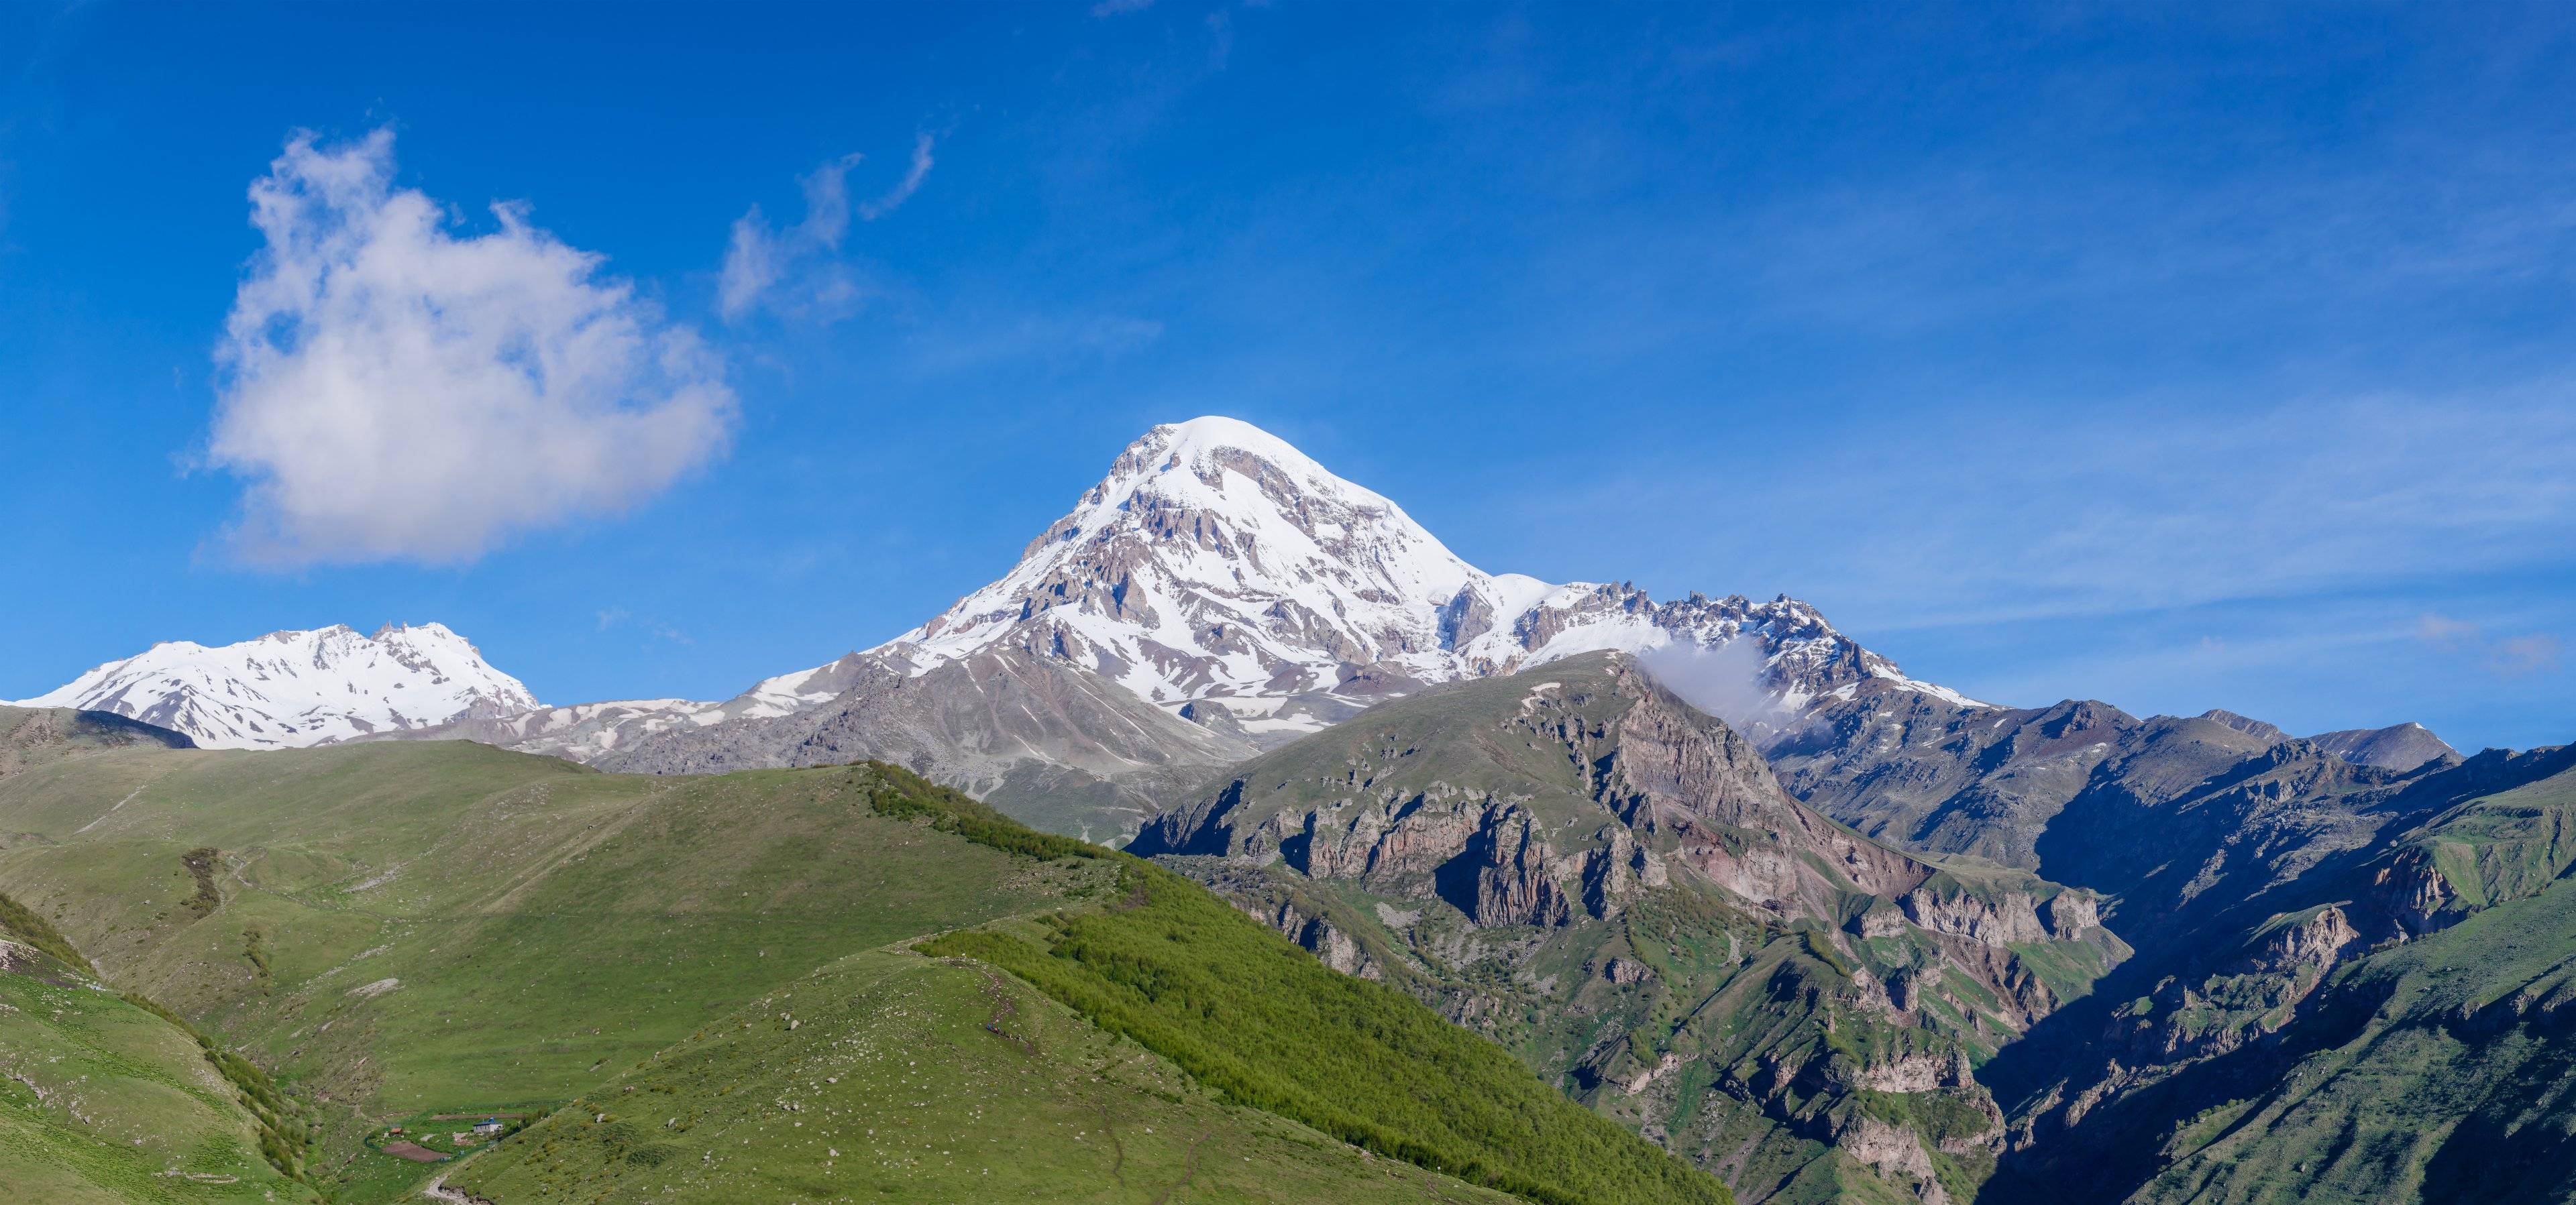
{"x":903,"y":191}
{"x":1112,"y":8}
{"x":1725,"y":681}
{"x":795,"y":271}
{"x":395,"y":392}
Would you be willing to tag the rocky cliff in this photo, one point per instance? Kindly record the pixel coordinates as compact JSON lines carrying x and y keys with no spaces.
{"x":1581,"y":864}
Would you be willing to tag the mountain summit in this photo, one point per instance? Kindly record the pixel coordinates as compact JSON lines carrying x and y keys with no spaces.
{"x":299,"y":688}
{"x":1217,"y":564}
{"x":1217,"y":593}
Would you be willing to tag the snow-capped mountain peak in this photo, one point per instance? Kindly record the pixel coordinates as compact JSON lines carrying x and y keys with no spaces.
{"x":1217,"y":562}
{"x":297,"y":688}
{"x":1213,"y":559}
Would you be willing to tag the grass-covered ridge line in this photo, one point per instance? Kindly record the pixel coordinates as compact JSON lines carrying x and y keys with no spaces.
{"x":21,"y":924}
{"x":900,"y":794}
{"x":108,"y":1098}
{"x":1252,"y":1016}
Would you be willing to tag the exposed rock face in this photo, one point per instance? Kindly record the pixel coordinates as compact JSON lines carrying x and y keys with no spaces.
{"x":2252,"y":996}
{"x":2313,"y":944}
{"x":1924,"y":774}
{"x":2182,"y":819}
{"x":1895,"y":1152}
{"x":2014,"y":918}
{"x":1658,"y":784}
{"x":1916,"y":1073}
{"x":2411,"y":892}
{"x":1329,"y":943}
{"x":2071,"y":913}
{"x":1626,"y":970}
{"x":1582,"y":816}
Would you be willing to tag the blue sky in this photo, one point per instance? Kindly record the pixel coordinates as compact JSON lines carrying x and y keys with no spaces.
{"x":2181,"y":357}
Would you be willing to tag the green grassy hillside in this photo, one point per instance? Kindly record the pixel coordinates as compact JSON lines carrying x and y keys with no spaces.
{"x":103,"y":1100}
{"x":893,"y":1077}
{"x":397,"y":931}
{"x":1260,"y":1020}
{"x":399,"y":928}
{"x":2441,"y":1070}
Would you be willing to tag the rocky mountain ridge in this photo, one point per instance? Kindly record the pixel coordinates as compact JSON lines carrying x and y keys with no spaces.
{"x":1579,"y":863}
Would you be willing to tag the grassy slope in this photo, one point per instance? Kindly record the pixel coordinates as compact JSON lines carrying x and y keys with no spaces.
{"x":395,"y":929}
{"x":2441,"y":1069}
{"x":1250,"y":1014}
{"x":544,"y":926}
{"x":102,"y":1100}
{"x":913,"y":1079}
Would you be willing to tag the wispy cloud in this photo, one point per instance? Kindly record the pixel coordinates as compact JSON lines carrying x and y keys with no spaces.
{"x":392,"y":391}
{"x":1112,"y":8}
{"x":797,"y":271}
{"x":910,"y":184}
{"x":2503,"y":656}
{"x":1950,"y":516}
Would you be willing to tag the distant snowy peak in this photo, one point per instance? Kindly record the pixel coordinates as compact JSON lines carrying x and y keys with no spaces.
{"x":1218,"y":563}
{"x":299,"y":688}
